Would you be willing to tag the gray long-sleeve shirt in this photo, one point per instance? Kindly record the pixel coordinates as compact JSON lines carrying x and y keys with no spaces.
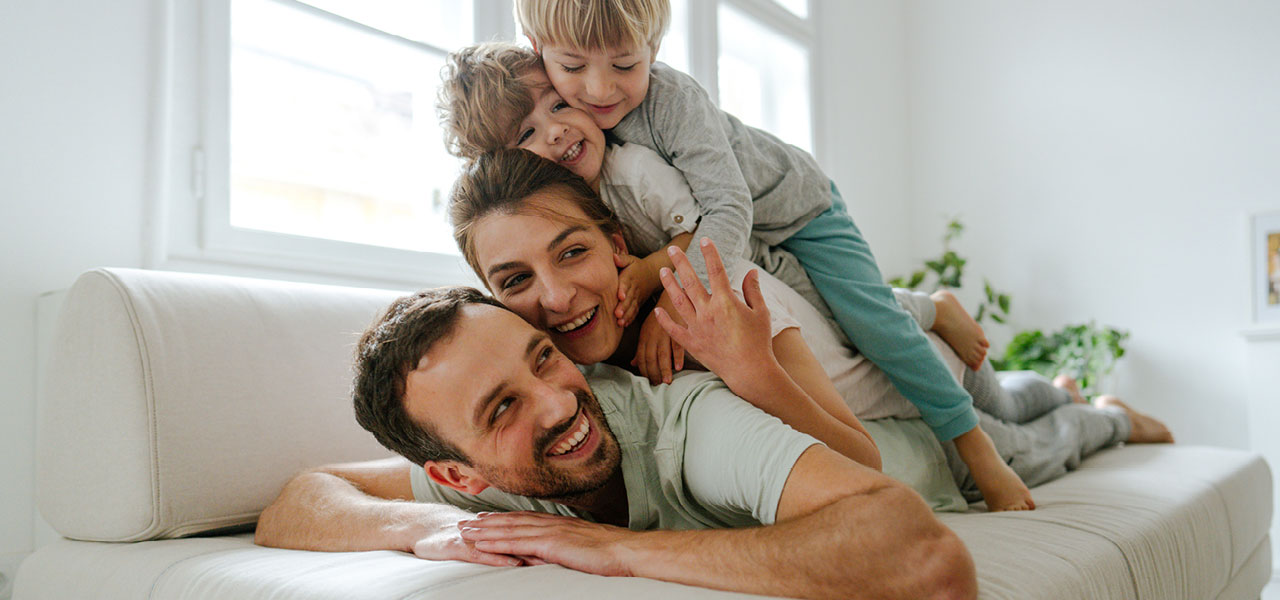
{"x":747,"y":182}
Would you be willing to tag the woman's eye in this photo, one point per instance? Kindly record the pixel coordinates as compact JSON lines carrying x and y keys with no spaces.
{"x":514,"y":281}
{"x":572,"y":252}
{"x":523,"y":136}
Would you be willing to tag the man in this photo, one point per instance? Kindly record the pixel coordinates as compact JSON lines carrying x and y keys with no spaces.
{"x":499,"y":420}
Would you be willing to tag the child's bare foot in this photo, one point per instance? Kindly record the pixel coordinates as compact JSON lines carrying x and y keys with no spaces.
{"x":959,"y":330}
{"x":1004,"y":490}
{"x":1000,"y":486}
{"x":1142,"y":428}
{"x":1067,"y":383}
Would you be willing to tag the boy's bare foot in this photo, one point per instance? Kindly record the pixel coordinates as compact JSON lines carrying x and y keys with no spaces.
{"x":1000,"y":486}
{"x":959,"y":330}
{"x":1003,"y":489}
{"x":1142,"y":428}
{"x":1067,"y":383}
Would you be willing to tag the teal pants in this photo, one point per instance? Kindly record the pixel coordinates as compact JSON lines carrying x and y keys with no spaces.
{"x":839,"y":262}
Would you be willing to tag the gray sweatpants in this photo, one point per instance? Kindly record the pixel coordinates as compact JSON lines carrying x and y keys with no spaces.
{"x":1036,"y":428}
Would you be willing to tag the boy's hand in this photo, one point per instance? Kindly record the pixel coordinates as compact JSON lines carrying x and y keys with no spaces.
{"x":657,"y":357}
{"x":636,"y":282}
{"x":730,"y":337}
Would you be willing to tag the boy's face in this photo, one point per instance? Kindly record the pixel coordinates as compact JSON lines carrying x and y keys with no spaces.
{"x":607,"y":84}
{"x":557,"y":131}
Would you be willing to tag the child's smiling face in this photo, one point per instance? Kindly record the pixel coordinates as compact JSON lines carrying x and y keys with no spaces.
{"x":559,"y":132}
{"x":606,"y":84}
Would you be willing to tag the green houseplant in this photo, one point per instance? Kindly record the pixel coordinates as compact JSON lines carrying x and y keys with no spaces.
{"x":1087,"y":351}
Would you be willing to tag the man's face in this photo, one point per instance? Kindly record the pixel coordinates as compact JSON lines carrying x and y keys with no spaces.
{"x":515,"y":406}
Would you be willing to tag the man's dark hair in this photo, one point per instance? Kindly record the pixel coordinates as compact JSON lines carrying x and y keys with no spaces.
{"x":388,"y":351}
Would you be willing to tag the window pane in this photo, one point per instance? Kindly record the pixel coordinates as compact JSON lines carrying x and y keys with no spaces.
{"x":443,"y":23}
{"x":675,"y":46}
{"x":799,"y":8}
{"x":764,"y":78}
{"x":334,"y":133}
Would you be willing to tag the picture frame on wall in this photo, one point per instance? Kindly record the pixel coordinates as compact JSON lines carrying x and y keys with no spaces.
{"x":1265,"y":249}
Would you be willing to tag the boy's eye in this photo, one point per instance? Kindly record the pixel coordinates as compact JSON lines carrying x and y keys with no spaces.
{"x":559,"y":105}
{"x":625,"y":68}
{"x":524,"y":136}
{"x":569,"y":69}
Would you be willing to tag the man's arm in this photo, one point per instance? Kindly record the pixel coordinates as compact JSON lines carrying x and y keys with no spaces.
{"x":362,"y":506}
{"x":844,"y":531}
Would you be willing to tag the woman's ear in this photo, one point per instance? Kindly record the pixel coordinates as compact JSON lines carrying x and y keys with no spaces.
{"x":455,"y":476}
{"x":619,"y":243}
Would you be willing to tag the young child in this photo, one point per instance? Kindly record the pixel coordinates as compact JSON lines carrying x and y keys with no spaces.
{"x":495,"y":95}
{"x":599,"y":55}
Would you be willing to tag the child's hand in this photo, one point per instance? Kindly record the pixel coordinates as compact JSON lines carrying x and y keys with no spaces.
{"x":731,"y":337}
{"x":657,"y":355}
{"x":636,"y":282}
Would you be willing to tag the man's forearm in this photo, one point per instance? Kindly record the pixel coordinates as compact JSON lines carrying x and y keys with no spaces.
{"x":320,"y":511}
{"x":884,"y":544}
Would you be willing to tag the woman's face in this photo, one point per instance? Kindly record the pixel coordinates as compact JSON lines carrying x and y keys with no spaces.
{"x":555,"y":272}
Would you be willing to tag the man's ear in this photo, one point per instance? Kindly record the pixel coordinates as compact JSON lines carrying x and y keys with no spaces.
{"x":619,"y":242}
{"x":457,"y":476}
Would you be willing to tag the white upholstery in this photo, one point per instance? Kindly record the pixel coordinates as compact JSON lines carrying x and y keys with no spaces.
{"x":181,"y":403}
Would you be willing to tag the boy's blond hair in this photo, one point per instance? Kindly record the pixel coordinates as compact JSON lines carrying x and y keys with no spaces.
{"x":595,"y":24}
{"x":484,"y":96}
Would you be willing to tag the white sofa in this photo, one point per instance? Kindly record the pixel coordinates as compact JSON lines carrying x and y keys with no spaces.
{"x":177,"y":406}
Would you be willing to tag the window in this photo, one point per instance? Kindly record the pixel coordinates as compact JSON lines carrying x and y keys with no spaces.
{"x":301,"y":135}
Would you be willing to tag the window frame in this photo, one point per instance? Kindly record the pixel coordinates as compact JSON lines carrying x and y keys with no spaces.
{"x":187,"y":226}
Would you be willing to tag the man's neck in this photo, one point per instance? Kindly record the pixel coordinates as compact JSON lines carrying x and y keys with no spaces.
{"x":608,"y":504}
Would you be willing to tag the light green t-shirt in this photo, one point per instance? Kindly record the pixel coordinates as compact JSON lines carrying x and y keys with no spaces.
{"x":694,"y":456}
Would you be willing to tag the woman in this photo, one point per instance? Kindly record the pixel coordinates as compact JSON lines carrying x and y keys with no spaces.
{"x":544,"y":245}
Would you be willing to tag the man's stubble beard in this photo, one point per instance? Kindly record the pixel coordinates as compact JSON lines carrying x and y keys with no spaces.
{"x":546,"y":482}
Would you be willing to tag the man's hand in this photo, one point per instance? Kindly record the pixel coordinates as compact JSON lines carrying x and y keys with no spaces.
{"x":730,"y":337}
{"x":447,"y":543}
{"x":637,"y":280}
{"x":539,"y":537}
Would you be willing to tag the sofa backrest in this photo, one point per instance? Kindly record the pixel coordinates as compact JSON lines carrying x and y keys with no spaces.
{"x":177,"y":403}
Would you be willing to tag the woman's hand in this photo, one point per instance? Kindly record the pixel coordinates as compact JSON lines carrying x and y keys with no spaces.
{"x":730,"y":337}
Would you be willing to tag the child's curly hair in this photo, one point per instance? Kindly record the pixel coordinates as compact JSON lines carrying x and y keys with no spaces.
{"x":484,"y":96}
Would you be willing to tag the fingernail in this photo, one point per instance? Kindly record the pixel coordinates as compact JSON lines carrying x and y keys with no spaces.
{"x":705,"y":241}
{"x":671,"y":250}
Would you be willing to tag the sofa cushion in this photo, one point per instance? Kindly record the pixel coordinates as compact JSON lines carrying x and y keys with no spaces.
{"x":1145,"y":522}
{"x":178,"y":403}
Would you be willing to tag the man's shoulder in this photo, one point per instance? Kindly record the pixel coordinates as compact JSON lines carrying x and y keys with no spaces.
{"x":623,"y":391}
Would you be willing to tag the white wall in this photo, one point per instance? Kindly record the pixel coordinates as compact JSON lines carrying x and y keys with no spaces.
{"x":1104,"y":155}
{"x":74,"y":81}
